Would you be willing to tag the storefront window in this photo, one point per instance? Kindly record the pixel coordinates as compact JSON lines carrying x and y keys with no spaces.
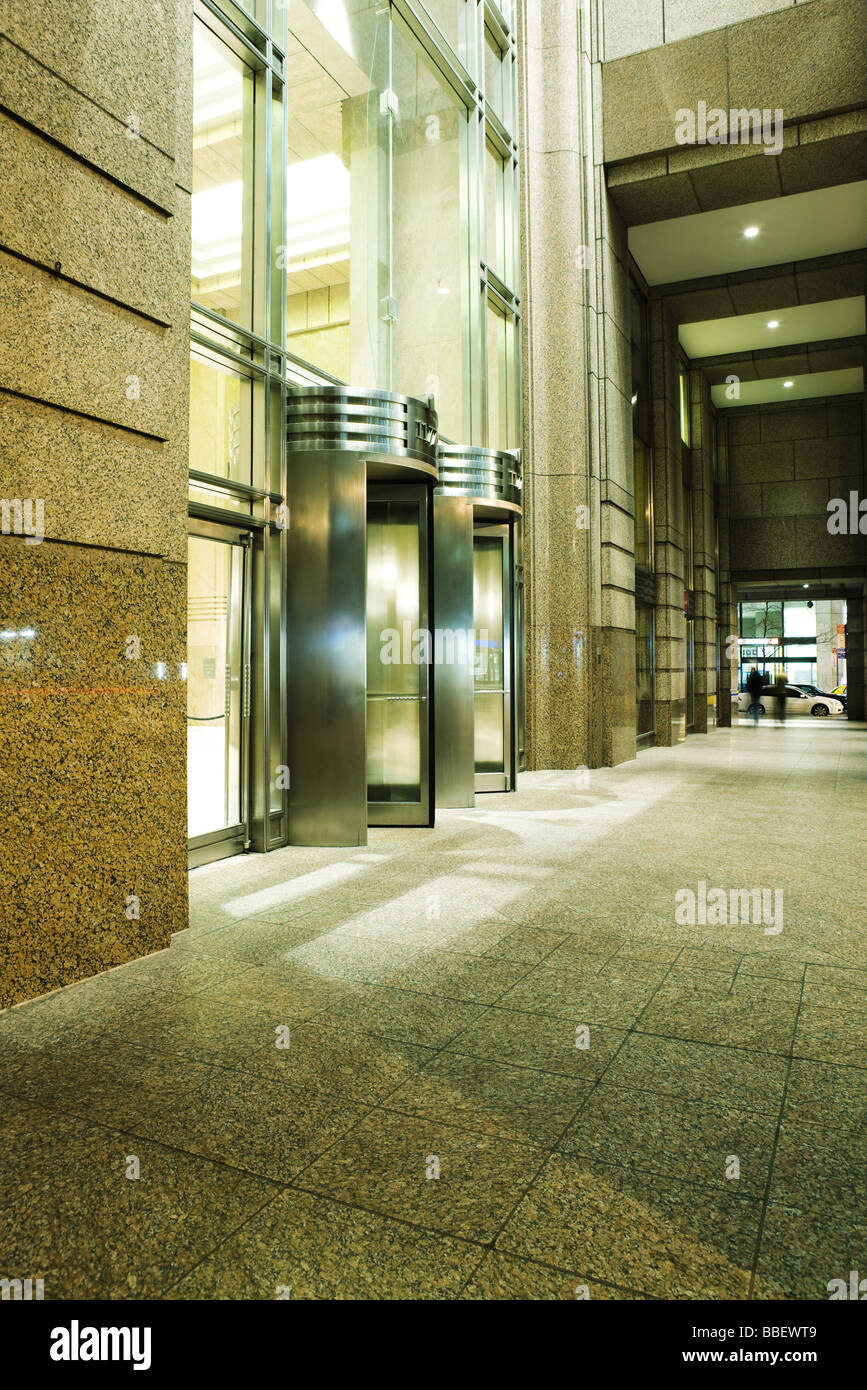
{"x":222,"y":201}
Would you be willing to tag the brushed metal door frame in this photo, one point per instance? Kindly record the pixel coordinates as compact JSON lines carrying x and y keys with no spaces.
{"x":419,"y":812}
{"x":231,"y":839}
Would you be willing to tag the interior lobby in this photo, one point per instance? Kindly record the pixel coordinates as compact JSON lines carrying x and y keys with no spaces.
{"x":419,"y":418}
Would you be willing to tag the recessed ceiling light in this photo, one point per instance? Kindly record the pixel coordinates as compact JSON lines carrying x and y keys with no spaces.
{"x":787,"y":384}
{"x":441,"y":288}
{"x":751,"y":231}
{"x":773,"y":323}
{"x":805,"y":586}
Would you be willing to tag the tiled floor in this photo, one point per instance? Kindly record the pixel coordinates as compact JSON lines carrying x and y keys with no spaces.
{"x":483,"y":1061}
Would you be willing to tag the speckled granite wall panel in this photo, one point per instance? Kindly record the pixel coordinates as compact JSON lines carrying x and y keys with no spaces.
{"x":83,"y":127}
{"x":99,"y":235}
{"x":797,"y":458}
{"x":93,"y":777}
{"x":558,"y":551}
{"x":120,"y":55}
{"x":83,"y":353}
{"x":100,"y":485}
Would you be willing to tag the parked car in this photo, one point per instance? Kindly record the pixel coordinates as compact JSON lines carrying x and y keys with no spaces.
{"x":840,"y":694}
{"x":823,"y":694}
{"x":797,"y":702}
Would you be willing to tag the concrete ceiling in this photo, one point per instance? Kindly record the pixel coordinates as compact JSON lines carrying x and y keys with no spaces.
{"x":805,"y":323}
{"x":771,"y":390}
{"x":800,"y":227}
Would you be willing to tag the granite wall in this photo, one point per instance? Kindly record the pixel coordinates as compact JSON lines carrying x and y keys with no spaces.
{"x":785,"y":463}
{"x":96,"y":140}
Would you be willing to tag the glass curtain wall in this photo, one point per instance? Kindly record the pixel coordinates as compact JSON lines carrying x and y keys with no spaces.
{"x":401,"y":252}
{"x":354,"y":217}
{"x":237,"y":371}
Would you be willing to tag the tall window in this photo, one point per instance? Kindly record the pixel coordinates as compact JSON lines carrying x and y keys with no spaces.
{"x":222,"y":202}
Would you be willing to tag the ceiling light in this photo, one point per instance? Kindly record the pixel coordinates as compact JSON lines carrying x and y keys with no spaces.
{"x":442,"y":289}
{"x":787,"y":385}
{"x":7,"y":634}
{"x":751,"y":231}
{"x":634,"y":400}
{"x":773,"y":323}
{"x":805,"y":586}
{"x":27,"y":632}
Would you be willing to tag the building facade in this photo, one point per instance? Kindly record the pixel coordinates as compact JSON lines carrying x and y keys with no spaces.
{"x":325,"y":321}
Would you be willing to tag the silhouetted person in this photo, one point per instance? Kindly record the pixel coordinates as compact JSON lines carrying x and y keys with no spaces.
{"x":780,"y":693}
{"x":754,"y":690}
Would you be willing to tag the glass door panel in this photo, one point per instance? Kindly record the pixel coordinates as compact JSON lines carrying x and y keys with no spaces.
{"x":398,"y":660}
{"x":217,"y":693}
{"x":491,"y":619}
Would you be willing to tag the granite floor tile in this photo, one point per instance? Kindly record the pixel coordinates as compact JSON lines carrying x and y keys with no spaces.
{"x":698,"y":1071}
{"x":676,"y":1138}
{"x":202,"y":1029}
{"x":72,"y":1216}
{"x":335,"y":1059}
{"x":616,"y":999}
{"x":262,"y":1125}
{"x":425,"y":1019}
{"x":672,"y":1239}
{"x":111,"y":1081}
{"x":331,"y":959}
{"x":292,"y":991}
{"x":387,"y":1163}
{"x":813,"y":1167}
{"x":502,"y":1277}
{"x":803,"y":1253}
{"x":472,"y":979}
{"x":828,"y":1033}
{"x":527,"y":1106}
{"x":826,"y":1095}
{"x":541,"y":1042}
{"x":741,"y":1018}
{"x":305,"y":1247}
{"x":527,"y":944}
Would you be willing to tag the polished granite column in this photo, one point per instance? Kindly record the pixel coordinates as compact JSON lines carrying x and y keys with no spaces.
{"x":96,"y":143}
{"x":580,"y":652}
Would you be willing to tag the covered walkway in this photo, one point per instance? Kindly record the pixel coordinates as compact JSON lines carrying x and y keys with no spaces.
{"x":491,"y":1060}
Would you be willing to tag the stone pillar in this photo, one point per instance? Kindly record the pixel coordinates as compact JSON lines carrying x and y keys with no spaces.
{"x":727,"y":603}
{"x":579,"y":537}
{"x":856,"y":657}
{"x":668,"y":529}
{"x":555,"y":385}
{"x":702,"y":425}
{"x":96,"y":142}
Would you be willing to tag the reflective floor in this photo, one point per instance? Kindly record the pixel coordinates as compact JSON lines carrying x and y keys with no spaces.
{"x":517,"y":1056}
